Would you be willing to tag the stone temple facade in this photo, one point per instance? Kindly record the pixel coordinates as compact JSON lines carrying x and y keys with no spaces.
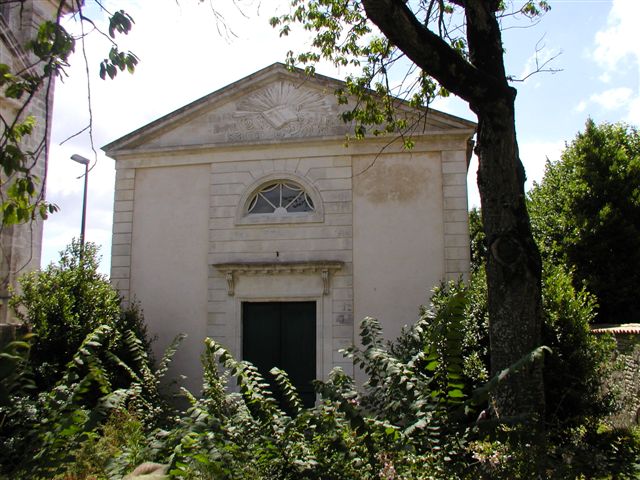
{"x":245,"y":217}
{"x":20,"y":245}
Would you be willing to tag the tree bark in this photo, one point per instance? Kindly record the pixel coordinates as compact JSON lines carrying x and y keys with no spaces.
{"x":513,"y":263}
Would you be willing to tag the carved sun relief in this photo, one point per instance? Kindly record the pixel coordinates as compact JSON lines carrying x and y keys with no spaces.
{"x":284,"y":110}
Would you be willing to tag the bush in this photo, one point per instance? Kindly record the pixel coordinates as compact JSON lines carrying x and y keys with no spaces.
{"x":589,"y":451}
{"x":63,"y":303}
{"x":414,"y":418}
{"x":579,"y":361}
{"x":117,"y":445}
{"x":417,"y":416}
{"x":346,"y":435}
{"x":61,"y":431}
{"x":41,"y":431}
{"x":89,"y":357}
{"x":477,"y":240}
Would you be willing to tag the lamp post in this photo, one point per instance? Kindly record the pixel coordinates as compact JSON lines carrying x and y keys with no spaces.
{"x":84,"y":161}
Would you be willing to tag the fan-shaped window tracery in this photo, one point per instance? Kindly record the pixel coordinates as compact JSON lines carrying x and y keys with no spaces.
{"x":280,"y":198}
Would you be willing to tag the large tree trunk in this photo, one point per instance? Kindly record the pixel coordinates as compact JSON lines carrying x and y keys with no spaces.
{"x":513,"y":265}
{"x":513,"y":262}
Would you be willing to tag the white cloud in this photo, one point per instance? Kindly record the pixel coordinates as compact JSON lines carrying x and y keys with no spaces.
{"x":613,"y":99}
{"x":617,"y":51}
{"x":605,"y":77}
{"x":620,"y":39}
{"x":581,"y":107}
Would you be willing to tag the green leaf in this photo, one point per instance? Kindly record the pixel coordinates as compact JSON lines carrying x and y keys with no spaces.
{"x":456,"y":393}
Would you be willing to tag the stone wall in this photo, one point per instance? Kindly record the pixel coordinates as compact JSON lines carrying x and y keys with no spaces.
{"x":20,"y":245}
{"x":386,"y":224}
{"x":326,"y":235}
{"x":626,"y":380}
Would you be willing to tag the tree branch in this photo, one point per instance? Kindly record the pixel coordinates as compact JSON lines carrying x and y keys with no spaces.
{"x":485,"y":39}
{"x":540,"y":64}
{"x":432,"y":54}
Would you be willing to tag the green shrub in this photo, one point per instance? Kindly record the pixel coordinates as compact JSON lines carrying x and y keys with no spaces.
{"x":477,"y":240}
{"x":41,"y":432}
{"x":89,"y":357}
{"x":416,"y":417}
{"x":61,"y":431}
{"x":62,"y":304}
{"x":588,"y":451}
{"x":580,"y":361}
{"x":15,"y":372}
{"x":425,"y":366}
{"x":247,"y":434}
{"x":17,"y":411}
{"x":595,"y":450}
{"x":65,"y":302}
{"x":117,"y":445}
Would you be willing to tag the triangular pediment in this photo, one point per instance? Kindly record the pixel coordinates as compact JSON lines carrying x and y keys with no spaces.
{"x":274,"y":104}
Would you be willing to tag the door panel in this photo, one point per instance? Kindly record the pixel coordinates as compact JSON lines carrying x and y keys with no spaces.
{"x":261,"y":335}
{"x":283,"y":335}
{"x":298,"y":336}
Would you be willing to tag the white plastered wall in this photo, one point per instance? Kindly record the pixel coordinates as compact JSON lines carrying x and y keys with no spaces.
{"x":398,"y":236}
{"x":168,"y":271}
{"x":410,"y":230}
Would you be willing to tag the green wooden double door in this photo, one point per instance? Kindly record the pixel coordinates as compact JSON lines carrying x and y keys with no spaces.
{"x":283,"y":335}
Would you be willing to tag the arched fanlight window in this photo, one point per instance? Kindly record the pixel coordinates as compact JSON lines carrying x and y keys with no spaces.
{"x":280,"y":198}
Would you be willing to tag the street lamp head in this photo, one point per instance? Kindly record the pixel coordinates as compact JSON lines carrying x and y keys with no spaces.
{"x":80,"y":159}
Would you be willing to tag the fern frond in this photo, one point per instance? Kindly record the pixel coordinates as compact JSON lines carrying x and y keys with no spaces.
{"x":289,"y":392}
{"x":167,"y":357}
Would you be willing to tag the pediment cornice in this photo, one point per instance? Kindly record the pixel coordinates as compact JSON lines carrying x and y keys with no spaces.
{"x":272,"y":105}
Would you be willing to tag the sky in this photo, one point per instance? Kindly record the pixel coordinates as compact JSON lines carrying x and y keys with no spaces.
{"x":186,"y":51}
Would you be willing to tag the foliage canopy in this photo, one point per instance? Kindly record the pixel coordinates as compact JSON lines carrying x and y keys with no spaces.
{"x":585,"y":213}
{"x":29,"y":82}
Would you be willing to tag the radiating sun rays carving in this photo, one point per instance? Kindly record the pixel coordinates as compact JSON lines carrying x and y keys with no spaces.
{"x":283,"y":110}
